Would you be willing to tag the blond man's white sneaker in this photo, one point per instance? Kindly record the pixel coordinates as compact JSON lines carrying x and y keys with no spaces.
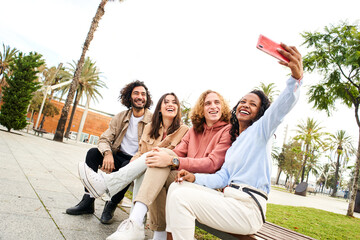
{"x":128,"y":230}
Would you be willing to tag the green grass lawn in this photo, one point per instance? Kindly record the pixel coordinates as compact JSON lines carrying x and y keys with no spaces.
{"x":312,"y":222}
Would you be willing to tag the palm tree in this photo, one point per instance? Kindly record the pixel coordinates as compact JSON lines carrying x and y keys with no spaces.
{"x":89,"y":83}
{"x":342,"y":144}
{"x":269,"y":90}
{"x":310,"y":134}
{"x":74,"y":85}
{"x":185,"y":112}
{"x":325,"y":171}
{"x":313,"y":161}
{"x":6,"y":57}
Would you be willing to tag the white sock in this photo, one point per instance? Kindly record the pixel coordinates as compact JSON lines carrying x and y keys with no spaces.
{"x":159,"y":235}
{"x":138,"y":213}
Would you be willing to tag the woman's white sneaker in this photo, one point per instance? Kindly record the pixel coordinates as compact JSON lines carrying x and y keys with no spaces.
{"x":92,"y":181}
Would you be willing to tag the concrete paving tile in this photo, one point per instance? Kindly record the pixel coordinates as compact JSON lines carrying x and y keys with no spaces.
{"x":64,"y":174}
{"x":52,"y":199}
{"x":12,"y":174}
{"x":86,"y":222}
{"x":6,"y":157}
{"x":16,"y":188}
{"x":41,"y":174}
{"x":18,"y":205}
{"x":50,"y":185}
{"x":83,"y":235}
{"x":76,"y":189}
{"x":20,"y":227}
{"x":30,"y":164}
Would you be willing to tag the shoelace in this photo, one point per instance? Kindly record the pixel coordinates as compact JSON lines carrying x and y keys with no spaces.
{"x":94,"y":176}
{"x":125,"y":225}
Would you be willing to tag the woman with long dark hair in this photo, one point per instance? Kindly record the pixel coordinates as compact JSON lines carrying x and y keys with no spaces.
{"x":165,"y":131}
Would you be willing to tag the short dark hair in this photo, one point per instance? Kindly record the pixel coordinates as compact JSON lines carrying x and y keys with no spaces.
{"x":125,"y":94}
{"x":264,"y":105}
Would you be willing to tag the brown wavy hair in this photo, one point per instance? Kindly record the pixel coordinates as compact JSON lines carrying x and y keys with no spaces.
{"x":125,"y":94}
{"x":197,"y":112}
{"x":157,"y":118}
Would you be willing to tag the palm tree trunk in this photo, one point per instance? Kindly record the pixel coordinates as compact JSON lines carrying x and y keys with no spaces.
{"x":278,"y":175}
{"x":350,"y":211}
{"x":83,"y":118}
{"x":307,"y":175}
{"x":304,"y":164}
{"x":59,"y":133}
{"x":76,"y":101}
{"x":333,"y":194}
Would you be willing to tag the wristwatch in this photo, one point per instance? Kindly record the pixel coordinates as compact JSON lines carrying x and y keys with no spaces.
{"x":175,"y":163}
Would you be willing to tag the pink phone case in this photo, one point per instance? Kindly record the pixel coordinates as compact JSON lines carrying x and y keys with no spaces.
{"x":268,"y":46}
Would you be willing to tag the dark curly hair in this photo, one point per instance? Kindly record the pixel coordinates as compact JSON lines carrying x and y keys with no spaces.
{"x":265,"y":104}
{"x":125,"y":94}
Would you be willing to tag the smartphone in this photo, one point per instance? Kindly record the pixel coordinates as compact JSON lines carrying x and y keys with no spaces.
{"x":269,"y":46}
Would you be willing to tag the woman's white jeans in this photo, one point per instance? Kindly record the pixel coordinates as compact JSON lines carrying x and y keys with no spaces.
{"x":232,"y":211}
{"x":117,"y":181}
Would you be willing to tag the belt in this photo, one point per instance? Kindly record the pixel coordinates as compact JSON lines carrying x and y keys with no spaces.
{"x":250,"y":191}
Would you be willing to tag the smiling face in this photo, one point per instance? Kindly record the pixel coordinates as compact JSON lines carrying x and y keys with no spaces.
{"x":212,"y":109}
{"x":138,"y":97}
{"x":169,"y":107}
{"x":248,"y":109}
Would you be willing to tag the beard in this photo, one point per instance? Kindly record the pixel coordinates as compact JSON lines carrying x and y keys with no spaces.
{"x":138,"y":105}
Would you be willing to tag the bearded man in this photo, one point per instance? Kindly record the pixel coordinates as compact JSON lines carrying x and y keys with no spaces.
{"x":117,"y":145}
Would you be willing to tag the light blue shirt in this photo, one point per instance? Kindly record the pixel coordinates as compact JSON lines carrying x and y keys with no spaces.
{"x":248,"y":159}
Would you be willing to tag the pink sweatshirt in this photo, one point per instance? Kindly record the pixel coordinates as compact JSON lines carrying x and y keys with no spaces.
{"x":204,"y":152}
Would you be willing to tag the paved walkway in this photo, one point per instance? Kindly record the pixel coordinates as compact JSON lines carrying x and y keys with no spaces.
{"x":318,"y":201}
{"x":39,"y":180}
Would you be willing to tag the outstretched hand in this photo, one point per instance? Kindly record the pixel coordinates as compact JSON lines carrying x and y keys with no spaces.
{"x":184,"y":175}
{"x":295,"y":63}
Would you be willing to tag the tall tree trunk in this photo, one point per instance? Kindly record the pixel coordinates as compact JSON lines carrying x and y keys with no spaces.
{"x":83,"y":118}
{"x":76,"y":101}
{"x":41,"y":125}
{"x":291,"y":184}
{"x":307,"y":175}
{"x":304,"y":164}
{"x":278,"y":176}
{"x":350,"y":211}
{"x":336,"y":176}
{"x":59,"y":133}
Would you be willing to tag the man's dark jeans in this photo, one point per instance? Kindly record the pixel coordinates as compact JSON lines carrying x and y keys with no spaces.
{"x":94,"y":159}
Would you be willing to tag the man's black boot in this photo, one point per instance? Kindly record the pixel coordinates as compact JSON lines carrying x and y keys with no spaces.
{"x":85,"y":206}
{"x":108,"y":212}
